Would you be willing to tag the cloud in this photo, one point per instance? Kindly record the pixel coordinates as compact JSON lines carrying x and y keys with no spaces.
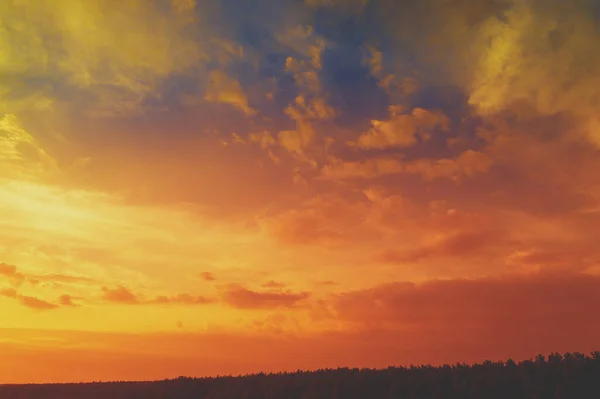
{"x":123,"y":295}
{"x":321,"y":220}
{"x":401,"y":129}
{"x":243,"y":298}
{"x":273,"y":284}
{"x":21,"y":155}
{"x":117,"y":54}
{"x":66,"y":300}
{"x":227,"y":90}
{"x":9,"y":293}
{"x":27,"y":301}
{"x":7,"y":270}
{"x":539,"y":55}
{"x":119,"y":294}
{"x":310,"y":105}
{"x":461,"y":244}
{"x":10,"y":273}
{"x":467,"y":164}
{"x":63,"y":64}
{"x":184,"y":299}
{"x":264,"y":138}
{"x":61,"y":278}
{"x":207,"y":276}
{"x":518,"y":307}
{"x":35,"y":303}
{"x":17,"y":278}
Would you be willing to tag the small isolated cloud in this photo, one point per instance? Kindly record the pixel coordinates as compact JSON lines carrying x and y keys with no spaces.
{"x":35,"y":303}
{"x":119,"y":294}
{"x":224,"y":89}
{"x":243,"y":298}
{"x":67,"y":300}
{"x":207,"y":276}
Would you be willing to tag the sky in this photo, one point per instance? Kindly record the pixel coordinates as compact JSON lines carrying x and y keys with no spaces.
{"x":223,"y":187}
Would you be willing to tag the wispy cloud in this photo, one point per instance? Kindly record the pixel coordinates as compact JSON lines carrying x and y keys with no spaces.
{"x":244,"y":298}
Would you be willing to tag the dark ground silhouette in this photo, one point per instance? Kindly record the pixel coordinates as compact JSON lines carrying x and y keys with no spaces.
{"x":568,"y":376}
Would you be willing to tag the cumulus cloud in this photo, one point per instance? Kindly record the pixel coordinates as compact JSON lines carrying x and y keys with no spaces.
{"x":401,"y":129}
{"x":310,"y":105}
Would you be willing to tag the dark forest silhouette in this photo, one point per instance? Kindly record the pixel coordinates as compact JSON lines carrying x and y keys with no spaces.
{"x":568,"y":376}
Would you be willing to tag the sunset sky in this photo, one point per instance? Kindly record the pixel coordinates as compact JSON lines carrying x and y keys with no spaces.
{"x":222,"y":187}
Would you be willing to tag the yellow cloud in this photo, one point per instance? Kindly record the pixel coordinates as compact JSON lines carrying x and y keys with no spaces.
{"x":544,"y":56}
{"x":227,"y":90}
{"x":310,"y":104}
{"x":117,"y":52}
{"x":21,"y":156}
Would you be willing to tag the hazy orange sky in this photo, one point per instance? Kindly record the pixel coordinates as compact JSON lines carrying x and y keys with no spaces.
{"x":214,"y":187}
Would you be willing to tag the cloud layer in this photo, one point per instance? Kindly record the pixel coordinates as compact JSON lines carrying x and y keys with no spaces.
{"x":343,"y":175}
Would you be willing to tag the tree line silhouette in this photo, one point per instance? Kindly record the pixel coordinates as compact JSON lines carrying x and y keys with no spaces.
{"x":568,"y":376}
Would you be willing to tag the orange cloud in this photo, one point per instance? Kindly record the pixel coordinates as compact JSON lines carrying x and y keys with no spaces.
{"x":323,"y":220}
{"x":207,"y":276}
{"x":185,"y":299}
{"x":66,"y":300}
{"x":401,"y":130}
{"x":466,"y":164}
{"x":243,"y":298}
{"x":123,"y":295}
{"x":273,"y":284}
{"x":460,"y":244}
{"x":60,"y":278}
{"x":119,"y":294}
{"x":8,"y":293}
{"x":15,"y":278}
{"x":511,"y":311}
{"x":477,"y":191}
{"x":35,"y":303}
